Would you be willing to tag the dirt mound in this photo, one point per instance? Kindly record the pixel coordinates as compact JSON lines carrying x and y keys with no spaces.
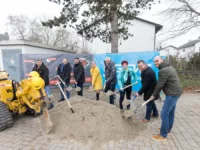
{"x":93,"y":120}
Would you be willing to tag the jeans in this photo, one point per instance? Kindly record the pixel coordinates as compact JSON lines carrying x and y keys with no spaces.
{"x":167,"y":114}
{"x":151,"y":106}
{"x":110,"y":87}
{"x":80,"y":93}
{"x":128,"y":96}
{"x":67,"y":92}
{"x":48,"y":90}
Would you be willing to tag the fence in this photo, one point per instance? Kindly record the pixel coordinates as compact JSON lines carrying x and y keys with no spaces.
{"x":52,"y":61}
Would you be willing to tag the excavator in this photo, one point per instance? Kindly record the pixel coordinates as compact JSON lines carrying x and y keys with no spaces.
{"x":18,"y":98}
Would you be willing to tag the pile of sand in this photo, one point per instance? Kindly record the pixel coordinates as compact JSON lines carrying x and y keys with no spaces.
{"x":97,"y":121}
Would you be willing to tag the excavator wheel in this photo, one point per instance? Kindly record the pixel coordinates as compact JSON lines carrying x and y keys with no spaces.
{"x":6,"y":119}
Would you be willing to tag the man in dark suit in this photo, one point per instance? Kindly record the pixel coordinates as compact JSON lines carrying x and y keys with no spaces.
{"x":149,"y":82}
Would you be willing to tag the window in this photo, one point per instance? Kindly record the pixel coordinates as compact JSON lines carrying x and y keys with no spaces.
{"x":183,"y":50}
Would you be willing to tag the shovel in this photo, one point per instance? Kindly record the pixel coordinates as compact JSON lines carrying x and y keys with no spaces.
{"x":46,"y":120}
{"x":127,"y":102}
{"x":109,"y":93}
{"x":70,"y":106}
{"x":77,"y":89}
{"x":69,"y":89}
{"x":91,"y":89}
{"x":135,"y":111}
{"x":102,"y":93}
{"x":128,"y":113}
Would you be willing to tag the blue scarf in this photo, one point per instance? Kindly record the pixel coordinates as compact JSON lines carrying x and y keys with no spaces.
{"x":62,"y":67}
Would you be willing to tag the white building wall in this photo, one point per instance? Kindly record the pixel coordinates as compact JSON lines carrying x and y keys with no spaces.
{"x":185,"y":52}
{"x":142,"y":40}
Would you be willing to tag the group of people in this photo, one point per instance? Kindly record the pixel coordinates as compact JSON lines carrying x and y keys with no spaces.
{"x":168,"y":81}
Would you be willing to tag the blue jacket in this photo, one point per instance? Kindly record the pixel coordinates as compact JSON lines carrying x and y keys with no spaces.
{"x":123,"y":76}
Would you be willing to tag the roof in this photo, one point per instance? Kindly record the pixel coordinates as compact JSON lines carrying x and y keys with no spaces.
{"x":32,"y":44}
{"x":189,"y":44}
{"x":167,"y":47}
{"x":158,"y":26}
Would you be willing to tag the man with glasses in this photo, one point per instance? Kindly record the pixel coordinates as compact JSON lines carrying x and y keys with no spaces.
{"x":168,"y":81}
{"x":148,"y":79}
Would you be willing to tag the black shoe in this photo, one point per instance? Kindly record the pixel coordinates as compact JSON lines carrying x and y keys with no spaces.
{"x":61,"y":100}
{"x":50,"y":106}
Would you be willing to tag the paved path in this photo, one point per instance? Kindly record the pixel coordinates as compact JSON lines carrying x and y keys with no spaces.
{"x":27,"y":135}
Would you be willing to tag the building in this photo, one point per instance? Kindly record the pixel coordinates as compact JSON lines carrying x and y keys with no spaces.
{"x":189,"y":48}
{"x":169,"y":50}
{"x":4,"y":37}
{"x":144,"y":38}
{"x":11,"y":55}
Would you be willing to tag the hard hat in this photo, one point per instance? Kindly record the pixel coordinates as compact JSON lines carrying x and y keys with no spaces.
{"x":33,"y":74}
{"x":37,"y":83}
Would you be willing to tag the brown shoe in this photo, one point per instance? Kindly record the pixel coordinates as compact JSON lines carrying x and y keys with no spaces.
{"x":158,"y":129}
{"x":158,"y":138}
{"x":145,"y":120}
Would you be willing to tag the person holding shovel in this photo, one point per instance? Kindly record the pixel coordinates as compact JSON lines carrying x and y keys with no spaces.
{"x":111,"y":78}
{"x":96,"y":79}
{"x":43,"y":71}
{"x":148,"y":80}
{"x":79,"y":75}
{"x":125,"y":77}
{"x":168,"y":81}
{"x":64,"y":71}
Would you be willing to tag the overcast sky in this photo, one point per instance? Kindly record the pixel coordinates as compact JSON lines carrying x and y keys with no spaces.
{"x":33,"y":8}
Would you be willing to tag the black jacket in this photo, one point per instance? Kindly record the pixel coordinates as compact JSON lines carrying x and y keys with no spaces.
{"x":168,"y":80}
{"x":65,"y":74}
{"x":79,"y":73}
{"x":148,"y":79}
{"x":110,"y":73}
{"x":43,"y":72}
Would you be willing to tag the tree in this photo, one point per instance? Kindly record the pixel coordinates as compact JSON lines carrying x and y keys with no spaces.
{"x":25,"y":28}
{"x":107,"y":20}
{"x":183,"y":16}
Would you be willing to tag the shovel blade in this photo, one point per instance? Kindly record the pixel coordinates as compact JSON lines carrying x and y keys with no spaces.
{"x":109,"y":93}
{"x":125,"y":103}
{"x":46,"y":122}
{"x":127,"y":114}
{"x":102,"y":96}
{"x":77,"y":89}
{"x":69,"y":89}
{"x":91,"y":89}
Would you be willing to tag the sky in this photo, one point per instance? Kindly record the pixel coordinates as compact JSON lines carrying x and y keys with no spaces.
{"x":33,"y":8}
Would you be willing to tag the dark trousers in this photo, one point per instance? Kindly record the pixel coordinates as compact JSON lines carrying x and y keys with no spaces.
{"x":128,"y":96}
{"x":151,"y":106}
{"x":80,"y":93}
{"x":110,"y":87}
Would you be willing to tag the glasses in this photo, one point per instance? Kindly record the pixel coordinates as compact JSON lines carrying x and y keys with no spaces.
{"x":156,"y":61}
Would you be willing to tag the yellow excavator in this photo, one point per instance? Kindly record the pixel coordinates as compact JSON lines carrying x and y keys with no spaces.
{"x":20,"y":97}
